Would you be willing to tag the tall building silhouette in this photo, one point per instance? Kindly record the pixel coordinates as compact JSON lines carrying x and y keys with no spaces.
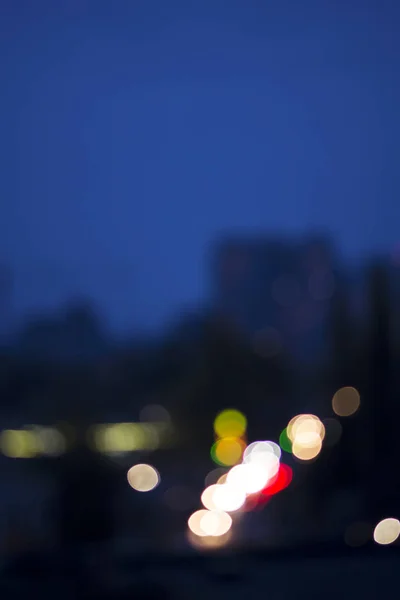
{"x":6,"y":302}
{"x":286,"y":285}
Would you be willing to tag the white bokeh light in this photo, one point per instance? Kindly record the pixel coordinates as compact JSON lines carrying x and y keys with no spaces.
{"x":249,"y":478}
{"x":228,"y":498}
{"x":215,"y":523}
{"x":207,"y":497}
{"x":263,"y":448}
{"x":212,"y":523}
{"x":143,"y":478}
{"x":387,"y":531}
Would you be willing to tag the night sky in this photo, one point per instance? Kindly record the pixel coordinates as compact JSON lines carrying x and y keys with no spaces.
{"x":134,"y":133}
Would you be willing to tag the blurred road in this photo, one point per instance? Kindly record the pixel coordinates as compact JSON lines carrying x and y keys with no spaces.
{"x":316,"y":578}
{"x":231,"y":577}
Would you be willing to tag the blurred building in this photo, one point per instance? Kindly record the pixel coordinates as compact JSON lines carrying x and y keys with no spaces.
{"x":75,"y":334}
{"x":6,"y":303}
{"x":278,"y":286}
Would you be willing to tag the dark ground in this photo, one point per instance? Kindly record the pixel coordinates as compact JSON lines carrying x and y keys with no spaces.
{"x":305,"y":573}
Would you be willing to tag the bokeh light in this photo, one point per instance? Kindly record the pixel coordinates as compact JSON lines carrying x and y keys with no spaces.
{"x":125,"y":437}
{"x":248,"y":478}
{"x":228,"y":498}
{"x":207,"y":497}
{"x":215,"y":523}
{"x":208,"y":542}
{"x":195,"y":521}
{"x":307,"y":439}
{"x":281,"y":481}
{"x":346,"y":402}
{"x":264,"y":458}
{"x":32,"y":441}
{"x":230,"y":423}
{"x":284,"y":442}
{"x":387,"y":531}
{"x":306,"y":452}
{"x":228,"y":451}
{"x":305,"y":425}
{"x":52,"y":442}
{"x":209,"y":523}
{"x":257,"y":451}
{"x":306,"y":433}
{"x":16,"y":443}
{"x":143,"y":478}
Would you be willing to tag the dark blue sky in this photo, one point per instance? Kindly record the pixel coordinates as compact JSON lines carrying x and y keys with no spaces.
{"x":134,"y":132}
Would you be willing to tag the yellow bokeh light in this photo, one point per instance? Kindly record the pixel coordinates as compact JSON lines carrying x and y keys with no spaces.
{"x":143,"y":478}
{"x":151,"y":436}
{"x":19,"y":443}
{"x":346,"y":401}
{"x":119,"y":437}
{"x":125,"y":437}
{"x":230,"y":423}
{"x":228,"y":451}
{"x":32,"y":441}
{"x":387,"y":531}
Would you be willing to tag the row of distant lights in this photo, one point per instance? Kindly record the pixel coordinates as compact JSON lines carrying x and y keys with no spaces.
{"x":110,"y":438}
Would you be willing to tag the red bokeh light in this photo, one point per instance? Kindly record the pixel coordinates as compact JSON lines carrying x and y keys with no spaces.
{"x":279,"y":482}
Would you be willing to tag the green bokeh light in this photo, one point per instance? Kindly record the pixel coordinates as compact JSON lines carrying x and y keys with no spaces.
{"x":284,"y":442}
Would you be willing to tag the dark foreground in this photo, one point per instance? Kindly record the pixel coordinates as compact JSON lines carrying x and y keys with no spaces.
{"x":304,"y":573}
